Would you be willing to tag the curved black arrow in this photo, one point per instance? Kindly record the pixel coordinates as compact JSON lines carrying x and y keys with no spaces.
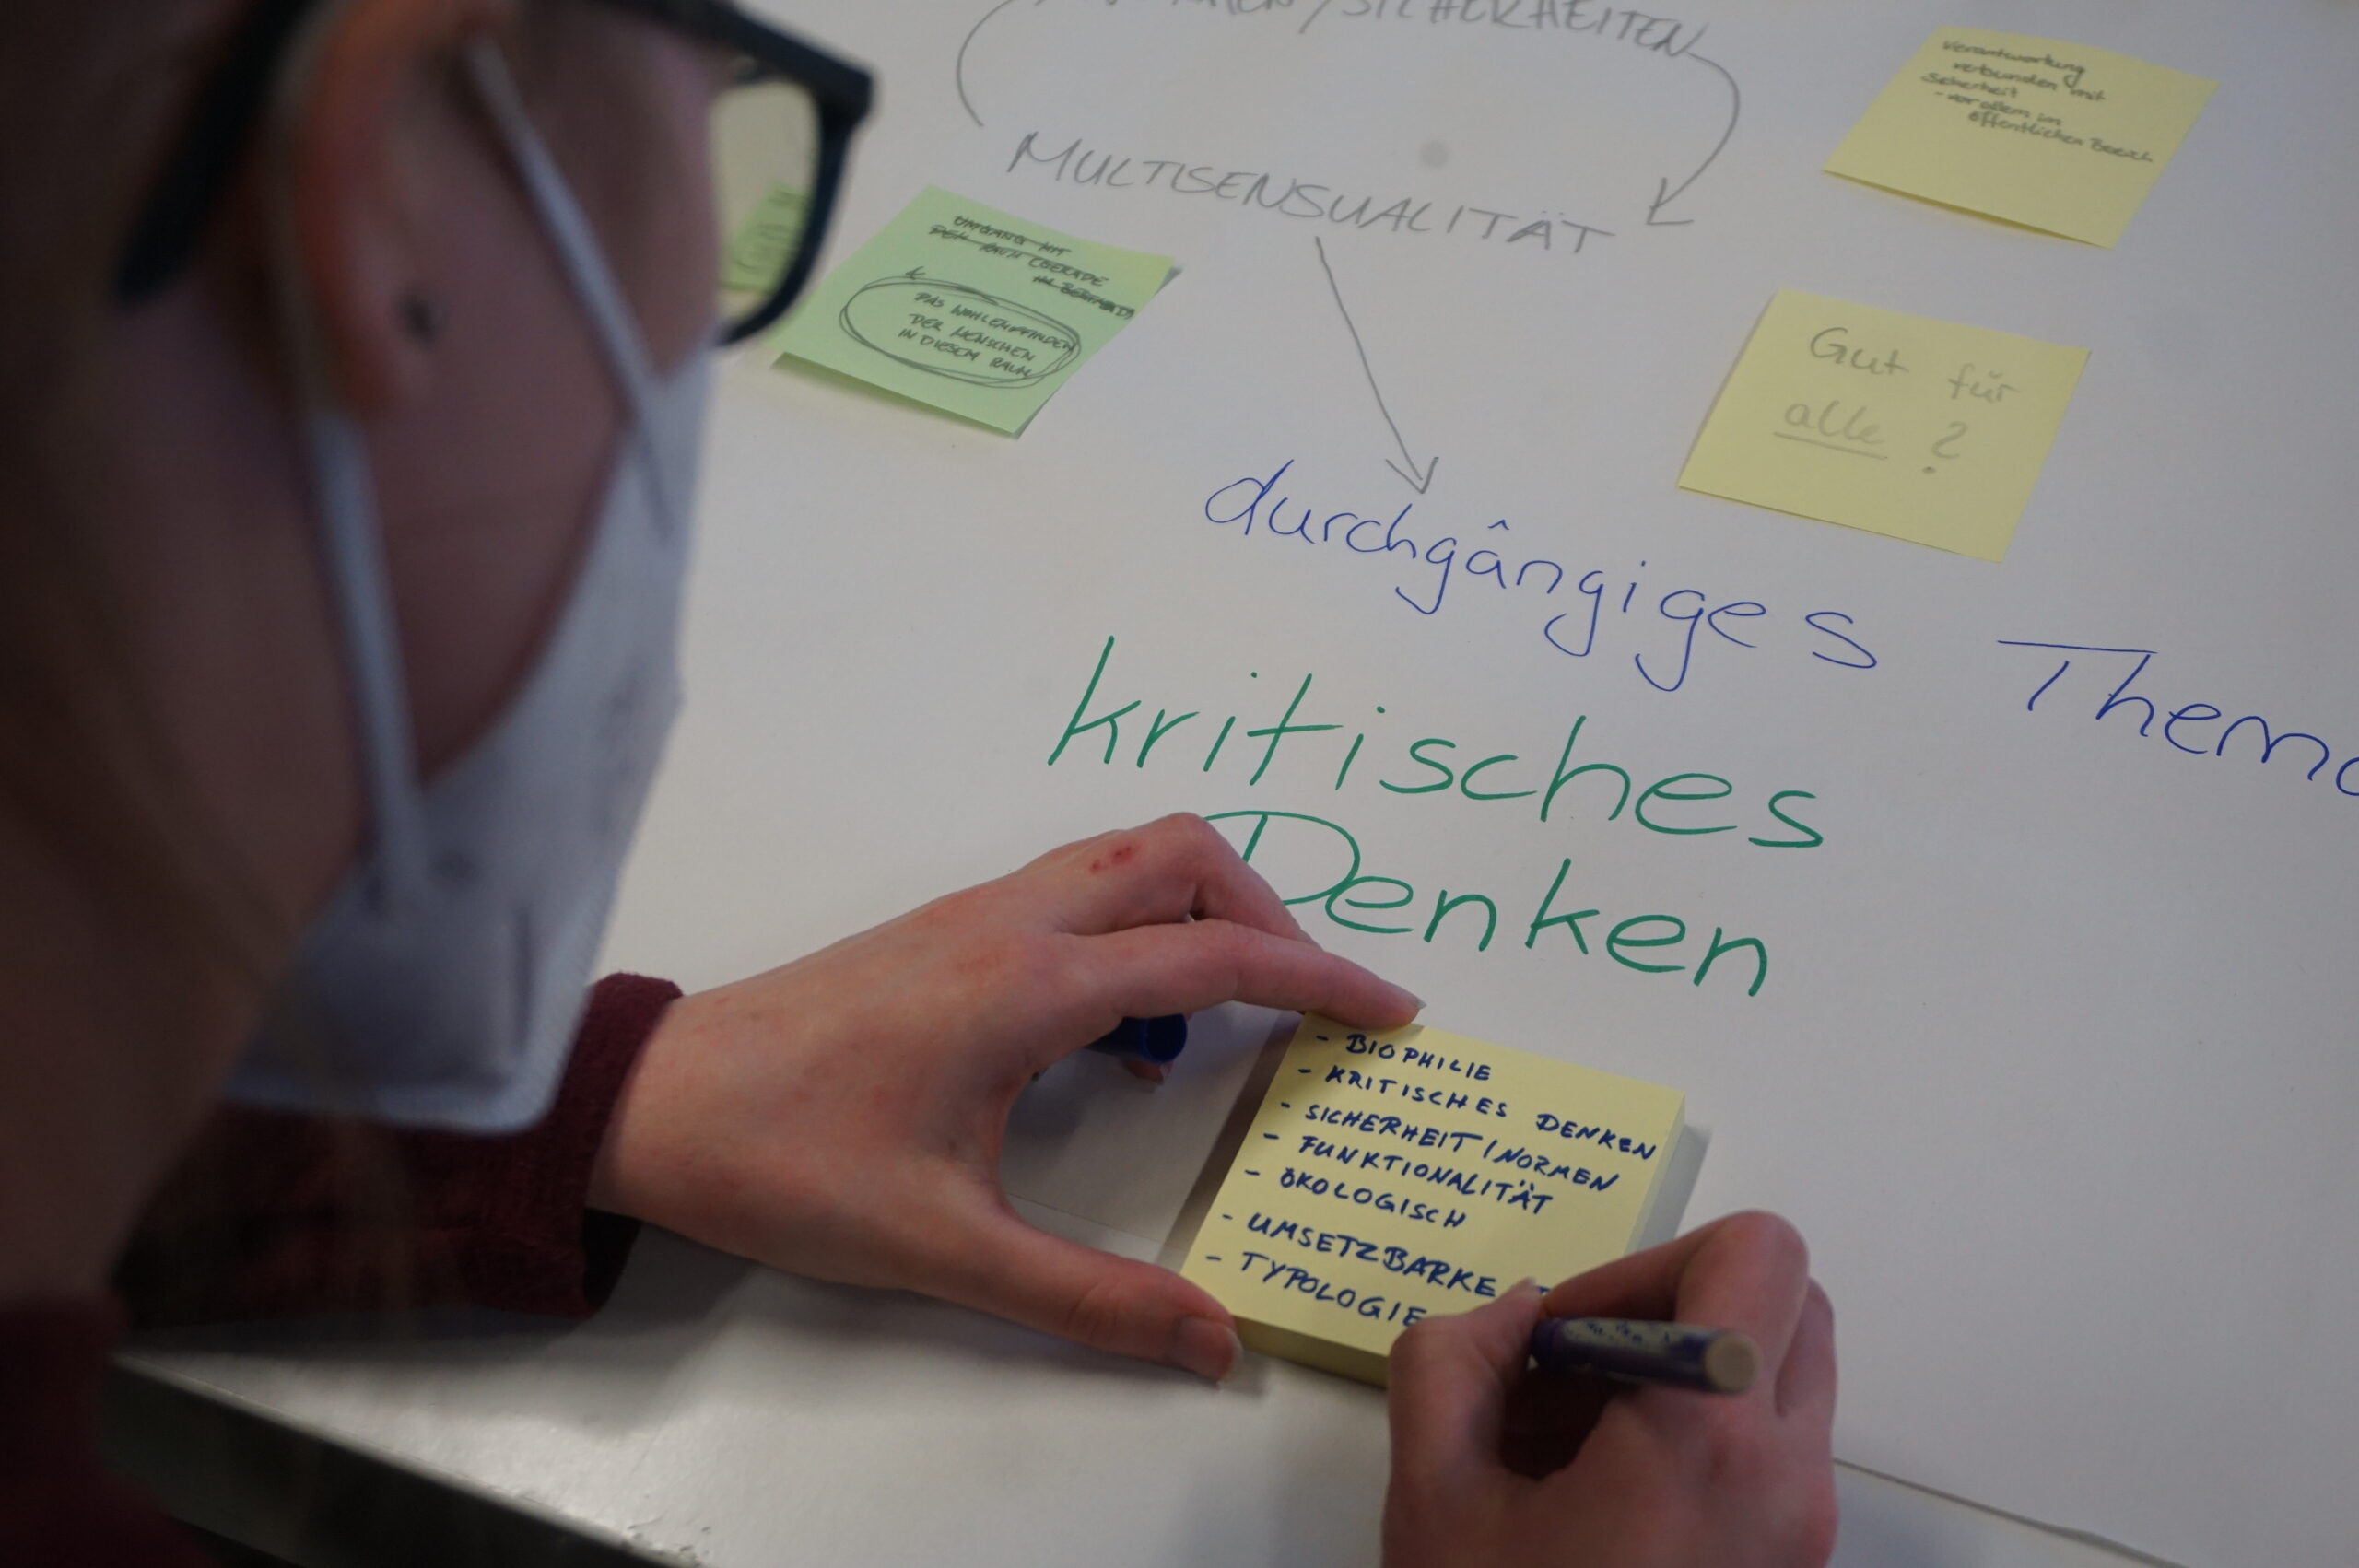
{"x":1665,"y":192}
{"x":1419,"y":482}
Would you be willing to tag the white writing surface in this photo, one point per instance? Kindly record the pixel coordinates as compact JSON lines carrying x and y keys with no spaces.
{"x":2048,"y":866}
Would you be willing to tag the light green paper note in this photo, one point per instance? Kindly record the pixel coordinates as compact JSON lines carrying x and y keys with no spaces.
{"x":970,"y":309}
{"x":758,"y":251}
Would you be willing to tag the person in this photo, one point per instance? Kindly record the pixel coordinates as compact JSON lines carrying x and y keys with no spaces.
{"x":354,"y":355}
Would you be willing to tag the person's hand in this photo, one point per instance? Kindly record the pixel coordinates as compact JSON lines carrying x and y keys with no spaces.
{"x":841,"y":1117}
{"x":1493,"y":1464}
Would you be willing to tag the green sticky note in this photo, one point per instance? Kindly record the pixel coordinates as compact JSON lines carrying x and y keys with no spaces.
{"x":971,"y":309}
{"x":760,"y":249}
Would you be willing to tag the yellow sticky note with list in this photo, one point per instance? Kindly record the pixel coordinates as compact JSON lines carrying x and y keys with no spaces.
{"x":2051,"y":136}
{"x":1389,"y":1176}
{"x":1925,"y":430}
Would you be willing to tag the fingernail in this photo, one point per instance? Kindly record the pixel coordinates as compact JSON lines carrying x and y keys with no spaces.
{"x":1205,"y":1348}
{"x":1516,"y":1291}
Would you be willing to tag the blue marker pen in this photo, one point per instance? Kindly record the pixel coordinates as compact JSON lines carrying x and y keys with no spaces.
{"x":1157,"y":1041}
{"x":1677,"y":1355}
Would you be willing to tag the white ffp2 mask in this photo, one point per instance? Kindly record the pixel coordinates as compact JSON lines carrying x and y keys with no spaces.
{"x":443,"y":983}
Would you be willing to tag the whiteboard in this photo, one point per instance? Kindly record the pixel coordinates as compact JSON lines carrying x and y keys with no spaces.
{"x":2054,"y":1048}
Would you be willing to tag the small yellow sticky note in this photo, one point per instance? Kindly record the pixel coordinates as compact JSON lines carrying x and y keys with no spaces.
{"x":1924,"y":430}
{"x":2051,"y":136}
{"x":1390,"y":1177}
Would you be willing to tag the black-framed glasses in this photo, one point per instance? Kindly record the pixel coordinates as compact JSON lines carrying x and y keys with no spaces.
{"x":780,"y":133}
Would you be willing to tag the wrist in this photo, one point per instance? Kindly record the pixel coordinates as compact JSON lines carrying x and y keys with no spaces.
{"x":629,"y":1153}
{"x":611,"y":1189}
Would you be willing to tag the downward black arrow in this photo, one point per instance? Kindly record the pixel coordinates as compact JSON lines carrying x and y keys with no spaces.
{"x":1418,"y":482}
{"x":1665,"y":192}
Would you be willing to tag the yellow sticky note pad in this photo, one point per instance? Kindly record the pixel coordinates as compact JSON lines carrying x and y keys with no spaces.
{"x":1390,"y":1177}
{"x":2051,"y":136}
{"x":1925,"y":430}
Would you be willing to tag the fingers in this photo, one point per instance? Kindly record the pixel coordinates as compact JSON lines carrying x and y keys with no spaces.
{"x":1751,"y":1275}
{"x":1644,"y":1284}
{"x":1170,"y":919}
{"x":1150,"y":970}
{"x":1450,"y":1381}
{"x":1748,"y":1271}
{"x":1549,"y":1417}
{"x":1806,"y":1383}
{"x":1170,"y":870}
{"x":1094,"y":1298}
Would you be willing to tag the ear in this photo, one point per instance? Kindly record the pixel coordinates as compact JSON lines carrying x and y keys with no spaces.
{"x":363,"y":141}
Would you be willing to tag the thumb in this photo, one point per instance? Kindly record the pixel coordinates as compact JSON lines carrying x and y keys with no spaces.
{"x":1451,"y":1379}
{"x":1095,"y":1298}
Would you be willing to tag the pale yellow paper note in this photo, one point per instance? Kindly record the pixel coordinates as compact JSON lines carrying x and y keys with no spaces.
{"x":2051,"y":136}
{"x":1389,"y":1176}
{"x":1925,"y":430}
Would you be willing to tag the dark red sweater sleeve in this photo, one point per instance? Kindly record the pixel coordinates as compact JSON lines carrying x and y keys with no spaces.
{"x":276,"y":1215}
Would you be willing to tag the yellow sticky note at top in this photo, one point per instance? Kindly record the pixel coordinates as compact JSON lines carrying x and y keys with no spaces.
{"x":1390,"y":1177}
{"x":1924,"y":430}
{"x":2051,"y":136}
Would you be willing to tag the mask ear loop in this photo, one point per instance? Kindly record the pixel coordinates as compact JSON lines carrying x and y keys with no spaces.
{"x":583,"y":258}
{"x":336,"y":457}
{"x":336,"y":454}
